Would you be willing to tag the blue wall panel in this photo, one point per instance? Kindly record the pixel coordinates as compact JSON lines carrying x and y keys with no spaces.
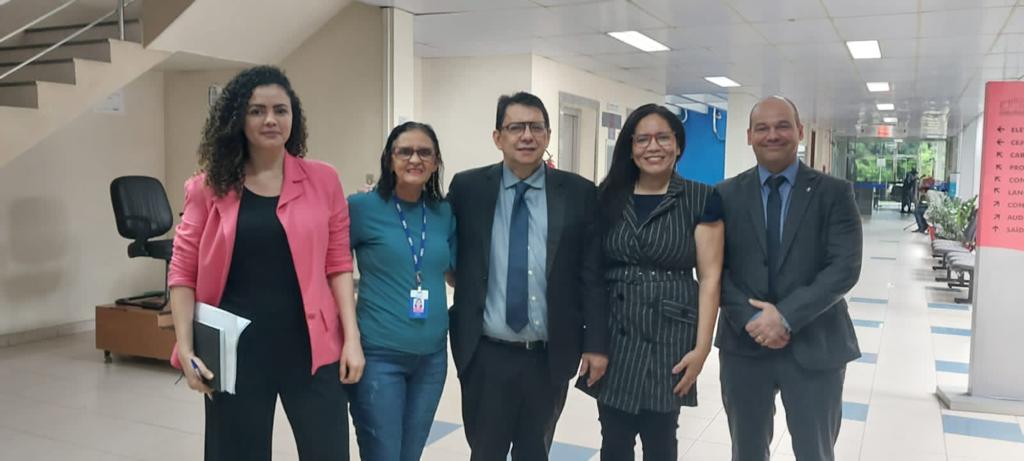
{"x":704,"y":157}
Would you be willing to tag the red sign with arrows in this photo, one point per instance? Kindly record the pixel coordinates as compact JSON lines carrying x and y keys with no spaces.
{"x":1001,"y":202}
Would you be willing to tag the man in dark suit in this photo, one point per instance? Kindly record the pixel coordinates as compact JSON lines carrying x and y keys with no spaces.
{"x":793,"y":244}
{"x":529,"y":293}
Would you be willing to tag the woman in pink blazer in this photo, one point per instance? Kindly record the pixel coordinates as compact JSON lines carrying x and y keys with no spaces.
{"x":265,"y":235}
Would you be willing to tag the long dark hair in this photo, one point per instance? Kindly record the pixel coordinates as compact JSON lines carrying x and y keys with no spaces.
{"x":386,"y":183}
{"x":617,"y":186}
{"x":224,"y":149}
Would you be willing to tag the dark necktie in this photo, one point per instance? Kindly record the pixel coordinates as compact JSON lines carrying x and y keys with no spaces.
{"x":516,"y":290}
{"x":773,"y":214}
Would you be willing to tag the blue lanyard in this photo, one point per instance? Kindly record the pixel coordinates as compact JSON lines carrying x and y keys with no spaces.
{"x":417,"y":259}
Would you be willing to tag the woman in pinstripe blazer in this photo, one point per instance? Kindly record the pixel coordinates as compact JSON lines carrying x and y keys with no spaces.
{"x":658,"y":228}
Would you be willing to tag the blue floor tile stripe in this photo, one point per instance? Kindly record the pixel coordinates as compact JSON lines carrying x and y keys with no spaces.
{"x":952,"y":367}
{"x":972,"y":427}
{"x":951,"y":331}
{"x":862,"y":300}
{"x":950,"y":306}
{"x":883,"y":258}
{"x":439,"y":430}
{"x":867,"y":323}
{"x":868,"y":357}
{"x":855,"y":411}
{"x":567,"y":452}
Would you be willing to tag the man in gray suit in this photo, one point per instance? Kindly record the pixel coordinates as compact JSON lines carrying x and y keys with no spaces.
{"x":793,"y":245}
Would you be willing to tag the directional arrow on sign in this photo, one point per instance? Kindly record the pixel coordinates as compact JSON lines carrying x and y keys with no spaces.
{"x":999,"y":167}
{"x":999,"y":141}
{"x":1000,"y":129}
{"x":995,"y":189}
{"x":995,"y":228}
{"x":999,"y":155}
{"x":995,"y":204}
{"x":996,"y":217}
{"x":996,"y":179}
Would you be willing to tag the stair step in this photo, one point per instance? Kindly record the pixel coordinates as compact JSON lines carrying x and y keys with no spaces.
{"x":50,"y":70}
{"x":19,"y":94}
{"x":103,"y":30}
{"x":78,"y":26}
{"x":94,"y":49}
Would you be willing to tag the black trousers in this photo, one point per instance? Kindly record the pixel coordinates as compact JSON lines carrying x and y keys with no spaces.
{"x":274,"y":360}
{"x":657,"y":431}
{"x":508,"y":398}
{"x":813,"y":400}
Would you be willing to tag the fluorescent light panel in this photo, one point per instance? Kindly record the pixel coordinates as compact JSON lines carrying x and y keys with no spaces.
{"x":878,"y":87}
{"x":889,"y":119}
{"x":886,"y":106}
{"x":724,"y":82}
{"x":865,"y":49}
{"x":638,"y":40}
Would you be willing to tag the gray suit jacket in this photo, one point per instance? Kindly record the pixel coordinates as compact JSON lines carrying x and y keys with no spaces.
{"x":821,"y":258}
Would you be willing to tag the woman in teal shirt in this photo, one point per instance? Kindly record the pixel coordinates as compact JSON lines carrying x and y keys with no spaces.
{"x":403,"y":235}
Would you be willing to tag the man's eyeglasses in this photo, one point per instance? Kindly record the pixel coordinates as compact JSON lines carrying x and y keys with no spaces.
{"x":405,"y":153}
{"x":518,"y":128}
{"x":643,"y":141}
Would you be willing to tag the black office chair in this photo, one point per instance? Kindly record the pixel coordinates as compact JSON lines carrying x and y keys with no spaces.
{"x":143,"y":212}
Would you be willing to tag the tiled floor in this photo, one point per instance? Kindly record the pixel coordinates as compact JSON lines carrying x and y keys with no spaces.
{"x":58,"y":400}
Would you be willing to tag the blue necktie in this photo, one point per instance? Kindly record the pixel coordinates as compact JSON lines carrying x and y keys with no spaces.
{"x":516,"y":290}
{"x":773,"y":210}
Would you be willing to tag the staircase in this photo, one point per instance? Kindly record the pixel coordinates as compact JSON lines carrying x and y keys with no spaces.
{"x":42,"y":96}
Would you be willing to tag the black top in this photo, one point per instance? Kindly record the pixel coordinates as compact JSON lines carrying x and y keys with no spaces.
{"x":262,"y":285}
{"x":645,"y":204}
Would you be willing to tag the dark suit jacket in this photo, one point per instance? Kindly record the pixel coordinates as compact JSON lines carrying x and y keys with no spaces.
{"x":576,"y":297}
{"x":820,"y":262}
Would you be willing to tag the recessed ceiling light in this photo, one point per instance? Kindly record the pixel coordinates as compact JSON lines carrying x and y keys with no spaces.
{"x":886,"y":106}
{"x":724,"y":82}
{"x":878,"y":87}
{"x":889,"y":119}
{"x":865,"y":49}
{"x":638,"y":40}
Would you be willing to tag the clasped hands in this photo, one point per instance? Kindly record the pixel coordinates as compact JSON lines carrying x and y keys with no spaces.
{"x":768,"y":329}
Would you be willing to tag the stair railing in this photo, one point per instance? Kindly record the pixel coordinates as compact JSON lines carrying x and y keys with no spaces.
{"x":119,"y":11}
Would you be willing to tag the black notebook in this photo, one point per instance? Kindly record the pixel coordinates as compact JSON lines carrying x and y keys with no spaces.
{"x":208,"y":344}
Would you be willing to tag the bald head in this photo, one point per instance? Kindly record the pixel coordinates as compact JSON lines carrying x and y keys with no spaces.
{"x":776,"y":99}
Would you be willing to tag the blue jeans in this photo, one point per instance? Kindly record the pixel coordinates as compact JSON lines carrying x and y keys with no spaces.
{"x":394,"y":403}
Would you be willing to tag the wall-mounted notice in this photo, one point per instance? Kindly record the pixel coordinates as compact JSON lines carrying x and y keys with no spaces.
{"x":1001,"y":201}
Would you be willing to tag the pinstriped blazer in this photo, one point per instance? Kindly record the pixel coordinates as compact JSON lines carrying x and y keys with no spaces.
{"x":652,"y":300}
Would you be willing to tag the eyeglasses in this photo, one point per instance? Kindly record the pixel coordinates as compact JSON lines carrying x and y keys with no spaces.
{"x":405,"y":153}
{"x":643,"y":141}
{"x":518,"y":128}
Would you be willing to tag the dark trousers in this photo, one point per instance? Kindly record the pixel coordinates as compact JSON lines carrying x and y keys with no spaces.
{"x":240,"y":427}
{"x":813,"y":400}
{"x":509,"y":398}
{"x":922,"y":224}
{"x":657,"y":431}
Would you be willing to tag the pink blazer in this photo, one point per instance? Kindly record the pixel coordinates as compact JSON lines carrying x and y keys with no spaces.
{"x":314,"y":214}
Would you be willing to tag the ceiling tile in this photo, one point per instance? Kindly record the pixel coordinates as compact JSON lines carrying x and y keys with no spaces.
{"x":802,"y":31}
{"x":877,"y":27}
{"x":609,"y":16}
{"x":940,"y":5}
{"x":690,"y":12}
{"x":897,"y":48}
{"x":963,"y":22}
{"x":588,"y":44}
{"x":845,"y":8}
{"x":586,"y":63}
{"x":493,"y":26}
{"x":1016,"y":23}
{"x":972,"y":44}
{"x":776,"y":11}
{"x":887,"y":69}
{"x":451,"y":6}
{"x":638,"y":59}
{"x":707,"y":36}
{"x":1009,"y":43}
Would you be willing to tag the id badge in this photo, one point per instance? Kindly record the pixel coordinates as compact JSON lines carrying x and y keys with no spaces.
{"x":418,"y":304}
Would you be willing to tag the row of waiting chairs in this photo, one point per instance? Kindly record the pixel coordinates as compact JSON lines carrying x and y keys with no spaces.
{"x":957,"y":259}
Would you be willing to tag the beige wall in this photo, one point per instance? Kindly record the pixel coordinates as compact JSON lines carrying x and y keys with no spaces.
{"x":548,"y":78}
{"x":338,"y":75}
{"x":458,"y":96}
{"x":60,"y":253}
{"x":185,"y":109}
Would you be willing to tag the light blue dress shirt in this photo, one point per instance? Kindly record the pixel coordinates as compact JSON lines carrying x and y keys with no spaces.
{"x":784,"y":190}
{"x":497,"y":276}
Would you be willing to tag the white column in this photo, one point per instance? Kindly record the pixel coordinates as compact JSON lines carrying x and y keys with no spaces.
{"x":738,"y":155}
{"x":399,"y":62}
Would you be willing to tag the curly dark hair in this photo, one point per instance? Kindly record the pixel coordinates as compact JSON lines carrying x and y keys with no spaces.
{"x":224,"y":148}
{"x":387,"y":182}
